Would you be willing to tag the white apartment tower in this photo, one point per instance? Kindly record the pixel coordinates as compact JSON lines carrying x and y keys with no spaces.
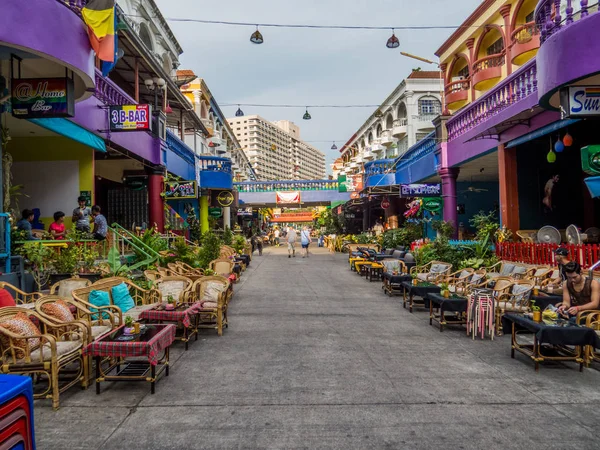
{"x":276,"y":151}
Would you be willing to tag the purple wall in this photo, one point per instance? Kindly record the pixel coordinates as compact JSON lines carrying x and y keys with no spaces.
{"x":48,"y":27}
{"x":90,"y":116}
{"x":568,"y":55}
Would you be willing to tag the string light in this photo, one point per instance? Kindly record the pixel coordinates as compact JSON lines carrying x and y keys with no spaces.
{"x":393,"y":41}
{"x":239,"y":112}
{"x":306,"y":115}
{"x":256,"y":37}
{"x":334,"y":147}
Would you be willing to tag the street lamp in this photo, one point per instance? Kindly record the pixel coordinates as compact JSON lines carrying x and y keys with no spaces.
{"x":155,"y":85}
{"x":428,"y":61}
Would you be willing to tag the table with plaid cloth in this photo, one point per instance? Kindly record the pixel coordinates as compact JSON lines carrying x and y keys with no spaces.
{"x":153,"y":341}
{"x":186,"y":314}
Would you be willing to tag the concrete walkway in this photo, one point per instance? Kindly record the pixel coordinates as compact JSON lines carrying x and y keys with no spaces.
{"x":316,"y":357}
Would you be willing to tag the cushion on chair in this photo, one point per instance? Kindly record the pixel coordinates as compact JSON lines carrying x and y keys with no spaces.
{"x":397,"y":254}
{"x":391,"y":266}
{"x":463,"y":274}
{"x":135,"y":312}
{"x":506,"y":270}
{"x":6,"y":299}
{"x":66,"y":287}
{"x":507,"y":306}
{"x":208,"y":305}
{"x":519,"y":270}
{"x":99,"y":298}
{"x":122,"y":298}
{"x":62,"y":348}
{"x":212,"y":291}
{"x":59,"y":310}
{"x":21,"y":325}
{"x":98,"y":330}
{"x":438,"y":268}
{"x":476,"y":278}
{"x":540,"y":272}
{"x":521,"y":294}
{"x":422,"y":276}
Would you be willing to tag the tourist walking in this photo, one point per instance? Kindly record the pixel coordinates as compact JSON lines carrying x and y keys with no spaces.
{"x":291,"y":240}
{"x":305,"y":240}
{"x":276,"y":234}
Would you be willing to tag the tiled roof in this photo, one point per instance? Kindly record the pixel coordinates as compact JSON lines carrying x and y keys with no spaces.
{"x":186,"y":73}
{"x":425,"y":74}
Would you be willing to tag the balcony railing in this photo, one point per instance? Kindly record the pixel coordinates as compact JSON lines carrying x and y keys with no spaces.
{"x":179,"y":147}
{"x":549,"y":19}
{"x":109,"y":93}
{"x":457,"y":86}
{"x":272,"y":186}
{"x":514,"y":88}
{"x":425,"y":117}
{"x":417,"y":151}
{"x":74,"y":5}
{"x":400,"y":122}
{"x":524,"y":33}
{"x":214,"y":164}
{"x":487,"y":62}
{"x":525,"y":41}
{"x":379,"y":167}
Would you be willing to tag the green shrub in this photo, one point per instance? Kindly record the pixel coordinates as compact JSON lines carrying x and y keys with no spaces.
{"x":210,"y":250}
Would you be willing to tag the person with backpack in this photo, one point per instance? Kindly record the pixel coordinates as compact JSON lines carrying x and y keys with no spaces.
{"x":305,"y":240}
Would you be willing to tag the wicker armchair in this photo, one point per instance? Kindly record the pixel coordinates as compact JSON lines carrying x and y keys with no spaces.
{"x":226,"y":252}
{"x":152,"y":275}
{"x":189,"y":269}
{"x":179,"y":287}
{"x":143,"y":298}
{"x":64,"y":288}
{"x":498,"y":286}
{"x":592,"y":321}
{"x":458,"y":280}
{"x":392,"y":265}
{"x":213,"y":293}
{"x":433,"y":272}
{"x":540,"y":274}
{"x":223,"y":267}
{"x":22,"y":299}
{"x":516,"y":299}
{"x":553,"y":280}
{"x":44,"y":355}
{"x":529,"y":236}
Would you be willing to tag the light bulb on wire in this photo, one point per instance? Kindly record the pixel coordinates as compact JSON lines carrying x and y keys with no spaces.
{"x":256,"y":37}
{"x":393,"y":41}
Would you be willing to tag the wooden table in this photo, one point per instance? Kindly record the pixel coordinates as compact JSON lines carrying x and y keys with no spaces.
{"x":421,"y":289}
{"x":187,"y":315}
{"x":454,"y":303}
{"x":118,"y":349}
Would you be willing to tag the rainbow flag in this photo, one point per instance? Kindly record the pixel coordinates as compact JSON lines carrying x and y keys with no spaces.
{"x":592,"y":92}
{"x":99,"y":16}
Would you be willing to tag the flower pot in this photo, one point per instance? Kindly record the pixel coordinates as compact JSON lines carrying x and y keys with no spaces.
{"x":56,"y":277}
{"x":128,"y":330}
{"x":536,"y":290}
{"x":446,"y":293}
{"x":169,"y":306}
{"x":537,"y":316}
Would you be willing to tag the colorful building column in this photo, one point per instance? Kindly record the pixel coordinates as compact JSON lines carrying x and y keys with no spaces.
{"x":509,"y":187}
{"x":204,"y":227}
{"x":156,"y":207}
{"x":227,"y":217}
{"x":448,"y":176}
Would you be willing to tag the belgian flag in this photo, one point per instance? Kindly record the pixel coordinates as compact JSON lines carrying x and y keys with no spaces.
{"x":99,"y":16}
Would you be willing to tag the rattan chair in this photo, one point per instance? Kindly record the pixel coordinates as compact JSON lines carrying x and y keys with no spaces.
{"x":152,"y":275}
{"x":176,"y":286}
{"x":592,"y":321}
{"x":189,"y":270}
{"x":60,"y":349}
{"x":213,"y":293}
{"x":540,"y":274}
{"x":433,"y":272}
{"x":553,"y":280}
{"x":222,"y":266}
{"x":458,"y":280}
{"x":64,"y":288}
{"x":23,"y":299}
{"x":516,"y":299}
{"x":143,"y":298}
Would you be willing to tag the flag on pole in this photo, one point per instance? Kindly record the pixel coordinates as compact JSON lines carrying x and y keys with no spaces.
{"x":107,"y":66}
{"x":99,"y":16}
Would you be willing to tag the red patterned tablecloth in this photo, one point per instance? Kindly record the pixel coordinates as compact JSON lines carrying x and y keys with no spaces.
{"x":152,"y":348}
{"x":180,"y":315}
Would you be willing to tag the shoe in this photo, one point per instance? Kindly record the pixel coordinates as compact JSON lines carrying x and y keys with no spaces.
{"x":289,"y":256}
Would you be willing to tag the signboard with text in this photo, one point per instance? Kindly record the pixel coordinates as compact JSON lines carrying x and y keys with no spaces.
{"x":580,"y":101}
{"x":180,"y":190}
{"x":42,"y":98}
{"x":245,"y":212}
{"x":130,"y":118}
{"x":292,"y":197}
{"x":433,"y":204}
{"x":420,"y":190}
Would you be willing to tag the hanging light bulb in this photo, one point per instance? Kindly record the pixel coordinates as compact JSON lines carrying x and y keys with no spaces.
{"x":257,"y":37}
{"x":334,"y":147}
{"x":393,"y":41}
{"x":168,"y":109}
{"x":306,"y":115}
{"x":568,"y":139}
{"x":239,"y":112}
{"x":559,"y":146}
{"x":551,"y":156}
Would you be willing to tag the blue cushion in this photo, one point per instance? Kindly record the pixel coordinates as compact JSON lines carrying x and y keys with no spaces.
{"x":99,"y":298}
{"x":122,"y":298}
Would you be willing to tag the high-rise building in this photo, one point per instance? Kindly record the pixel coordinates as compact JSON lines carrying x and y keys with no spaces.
{"x":276,"y":151}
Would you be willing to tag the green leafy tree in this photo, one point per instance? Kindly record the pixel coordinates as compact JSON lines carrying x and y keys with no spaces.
{"x":227,"y":236}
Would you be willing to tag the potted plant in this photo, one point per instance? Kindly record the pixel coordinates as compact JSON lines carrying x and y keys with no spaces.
{"x":64,"y":263}
{"x":444,"y":290}
{"x":171,"y":303}
{"x":537,"y":312}
{"x":128,"y":325}
{"x":88,"y":256}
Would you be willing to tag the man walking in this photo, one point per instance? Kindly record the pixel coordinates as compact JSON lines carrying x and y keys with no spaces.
{"x":276,"y":234}
{"x":291,"y":239}
{"x":305,"y":240}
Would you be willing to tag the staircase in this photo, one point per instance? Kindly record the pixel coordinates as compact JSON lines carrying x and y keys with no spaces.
{"x":128,"y":245}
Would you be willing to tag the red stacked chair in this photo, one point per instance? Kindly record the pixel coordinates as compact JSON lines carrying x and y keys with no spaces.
{"x":16,"y":413}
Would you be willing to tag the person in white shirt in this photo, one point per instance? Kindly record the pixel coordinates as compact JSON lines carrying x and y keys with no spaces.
{"x":291,"y":240}
{"x":305,"y":240}
{"x":276,"y":237}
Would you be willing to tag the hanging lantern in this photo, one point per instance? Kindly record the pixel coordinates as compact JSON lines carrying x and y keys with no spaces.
{"x":334,"y":147}
{"x":168,"y":109}
{"x":551,"y":156}
{"x":257,"y":37}
{"x":393,"y":41}
{"x":306,"y":115}
{"x":558,"y":145}
{"x":239,"y":112}
{"x":568,"y":140}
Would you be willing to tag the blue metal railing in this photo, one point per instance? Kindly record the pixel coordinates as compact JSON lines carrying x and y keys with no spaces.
{"x":288,"y":185}
{"x":422,"y":148}
{"x":215,"y":164}
{"x":379,"y":167}
{"x":180,"y":148}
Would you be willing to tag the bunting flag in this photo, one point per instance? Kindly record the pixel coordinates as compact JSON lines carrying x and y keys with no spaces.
{"x":99,"y":16}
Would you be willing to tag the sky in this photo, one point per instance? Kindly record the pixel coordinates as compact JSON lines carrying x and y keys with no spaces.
{"x":309,"y":66}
